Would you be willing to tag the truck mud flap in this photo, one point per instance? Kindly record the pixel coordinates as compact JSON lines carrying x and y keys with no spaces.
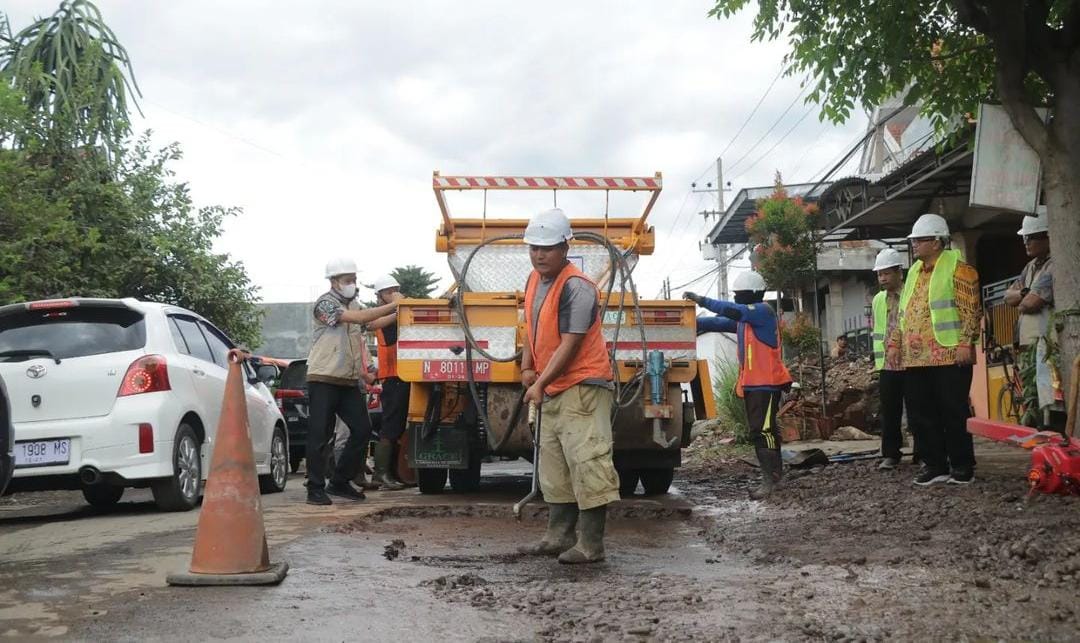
{"x":447,"y":447}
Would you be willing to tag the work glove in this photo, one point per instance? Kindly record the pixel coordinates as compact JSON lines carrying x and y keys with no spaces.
{"x":692,"y":296}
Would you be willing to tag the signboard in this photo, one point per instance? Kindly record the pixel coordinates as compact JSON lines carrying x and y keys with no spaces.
{"x":1006,"y":172}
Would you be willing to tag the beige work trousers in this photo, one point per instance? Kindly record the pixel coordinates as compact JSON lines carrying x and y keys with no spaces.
{"x":575,"y":448}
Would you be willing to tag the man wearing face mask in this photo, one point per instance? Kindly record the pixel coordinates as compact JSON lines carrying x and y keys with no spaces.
{"x":336,"y":365}
{"x":762,"y":374}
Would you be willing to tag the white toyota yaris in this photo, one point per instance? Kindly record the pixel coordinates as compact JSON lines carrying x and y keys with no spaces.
{"x":114,"y":393}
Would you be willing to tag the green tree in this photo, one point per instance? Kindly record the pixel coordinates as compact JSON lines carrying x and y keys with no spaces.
{"x":782,"y":234}
{"x":74,"y":75}
{"x":76,"y":222}
{"x":948,"y":56}
{"x":416,"y":282}
{"x":65,"y":232}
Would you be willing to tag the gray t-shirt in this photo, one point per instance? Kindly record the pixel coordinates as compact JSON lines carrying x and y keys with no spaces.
{"x":577,"y":310}
{"x":577,"y":304}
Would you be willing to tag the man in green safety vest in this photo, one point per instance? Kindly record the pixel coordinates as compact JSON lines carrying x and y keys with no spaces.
{"x":886,"y":308}
{"x":935,"y":341}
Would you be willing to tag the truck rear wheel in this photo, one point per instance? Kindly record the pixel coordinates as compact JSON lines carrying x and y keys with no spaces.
{"x":628,"y":479}
{"x":467,"y":480}
{"x":431,"y":480}
{"x":656,"y":481}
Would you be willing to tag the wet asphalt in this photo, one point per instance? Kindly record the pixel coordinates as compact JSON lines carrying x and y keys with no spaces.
{"x":71,"y":572}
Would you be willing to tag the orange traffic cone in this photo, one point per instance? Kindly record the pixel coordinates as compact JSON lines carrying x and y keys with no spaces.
{"x":230,"y":542}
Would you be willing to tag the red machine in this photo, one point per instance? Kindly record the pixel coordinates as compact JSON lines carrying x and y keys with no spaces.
{"x":1055,"y":457}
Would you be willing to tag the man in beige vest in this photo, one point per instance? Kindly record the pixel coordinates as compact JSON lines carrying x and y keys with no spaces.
{"x":335,"y":370}
{"x":1033,"y":295}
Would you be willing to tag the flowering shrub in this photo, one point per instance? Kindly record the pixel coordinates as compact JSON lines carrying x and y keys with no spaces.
{"x":782,"y":236}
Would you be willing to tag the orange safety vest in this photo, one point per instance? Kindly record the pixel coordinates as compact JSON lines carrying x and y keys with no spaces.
{"x":591,"y":361}
{"x":387,"y":355}
{"x":761,"y":365}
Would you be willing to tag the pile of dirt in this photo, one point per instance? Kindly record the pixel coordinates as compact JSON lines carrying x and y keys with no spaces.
{"x":851,"y":399}
{"x":592,"y":607}
{"x":991,"y":532}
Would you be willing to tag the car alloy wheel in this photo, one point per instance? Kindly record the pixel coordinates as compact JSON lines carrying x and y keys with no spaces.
{"x":188,"y":467}
{"x":279,"y":460}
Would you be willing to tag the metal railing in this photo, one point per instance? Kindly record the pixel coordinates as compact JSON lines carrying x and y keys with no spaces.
{"x":1001,"y":319}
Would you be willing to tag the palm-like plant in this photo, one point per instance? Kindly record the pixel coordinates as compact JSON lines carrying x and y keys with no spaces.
{"x":74,"y":75}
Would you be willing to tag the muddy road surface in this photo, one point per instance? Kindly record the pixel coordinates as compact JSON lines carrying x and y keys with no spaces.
{"x":845,"y":553}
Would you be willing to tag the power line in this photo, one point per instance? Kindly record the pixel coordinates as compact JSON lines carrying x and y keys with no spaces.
{"x":810,"y":148}
{"x":745,"y":122}
{"x":768,"y":131}
{"x":776,"y":144}
{"x":674,"y":229}
{"x":219,"y":130}
{"x":752,"y":112}
{"x":698,"y":278}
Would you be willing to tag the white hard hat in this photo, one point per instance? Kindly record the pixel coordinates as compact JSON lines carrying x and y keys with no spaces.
{"x":549,"y":228}
{"x":750,"y":280}
{"x":340,"y":266}
{"x":929,"y":225}
{"x":384,"y":282}
{"x":1035,"y":224}
{"x":888,"y":258}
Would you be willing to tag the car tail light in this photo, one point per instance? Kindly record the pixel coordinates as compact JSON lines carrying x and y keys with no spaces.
{"x":146,"y":438}
{"x":149,"y":374}
{"x":51,"y":304}
{"x":286,"y":393}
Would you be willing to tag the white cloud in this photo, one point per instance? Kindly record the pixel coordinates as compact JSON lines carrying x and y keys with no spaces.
{"x":324,"y":120}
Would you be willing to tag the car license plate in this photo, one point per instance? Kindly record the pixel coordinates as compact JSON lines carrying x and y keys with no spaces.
{"x":42,"y":453}
{"x":453,"y":370}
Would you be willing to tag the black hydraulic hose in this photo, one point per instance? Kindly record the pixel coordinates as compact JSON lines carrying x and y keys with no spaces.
{"x":459,"y":300}
{"x":432,"y":413}
{"x":514,"y":417}
{"x":620,"y":265}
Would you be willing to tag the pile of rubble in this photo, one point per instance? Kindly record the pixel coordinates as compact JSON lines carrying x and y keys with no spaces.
{"x":851,"y":398}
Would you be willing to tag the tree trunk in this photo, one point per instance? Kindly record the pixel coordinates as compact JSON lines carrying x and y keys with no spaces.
{"x":1061,"y":176}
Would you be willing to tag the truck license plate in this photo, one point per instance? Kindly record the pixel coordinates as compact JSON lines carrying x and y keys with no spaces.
{"x":453,"y":370}
{"x":42,"y":453}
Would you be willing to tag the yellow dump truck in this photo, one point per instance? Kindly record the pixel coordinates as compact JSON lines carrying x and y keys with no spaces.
{"x":462,"y":354}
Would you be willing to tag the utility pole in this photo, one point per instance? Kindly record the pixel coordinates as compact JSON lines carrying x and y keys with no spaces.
{"x":721,"y":250}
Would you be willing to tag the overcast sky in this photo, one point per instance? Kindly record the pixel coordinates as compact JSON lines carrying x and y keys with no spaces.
{"x":324,"y":120}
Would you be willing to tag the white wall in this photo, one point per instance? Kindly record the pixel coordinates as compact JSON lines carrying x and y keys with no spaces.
{"x":713,"y":346}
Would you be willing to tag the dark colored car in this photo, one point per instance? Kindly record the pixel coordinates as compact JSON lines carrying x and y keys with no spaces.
{"x":292,"y":399}
{"x":7,"y":439}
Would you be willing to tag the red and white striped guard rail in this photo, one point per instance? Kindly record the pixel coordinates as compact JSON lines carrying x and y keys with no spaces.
{"x":546,"y":183}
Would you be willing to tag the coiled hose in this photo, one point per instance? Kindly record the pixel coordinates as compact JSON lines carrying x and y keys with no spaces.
{"x":625,"y":395}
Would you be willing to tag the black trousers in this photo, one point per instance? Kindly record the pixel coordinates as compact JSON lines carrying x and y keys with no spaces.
{"x":938,"y":410}
{"x":891,"y":388}
{"x":326,"y":402}
{"x":395,"y":408}
{"x":761,"y":409}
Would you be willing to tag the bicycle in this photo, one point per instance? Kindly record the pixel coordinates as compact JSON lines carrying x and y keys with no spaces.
{"x":1010,"y":399}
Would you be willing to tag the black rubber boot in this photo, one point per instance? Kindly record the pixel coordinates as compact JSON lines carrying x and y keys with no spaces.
{"x":590,"y":544}
{"x":772,"y":470}
{"x":562,"y":518}
{"x":384,"y":451}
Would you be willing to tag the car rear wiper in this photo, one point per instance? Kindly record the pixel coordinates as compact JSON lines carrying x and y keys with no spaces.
{"x":30,"y":352}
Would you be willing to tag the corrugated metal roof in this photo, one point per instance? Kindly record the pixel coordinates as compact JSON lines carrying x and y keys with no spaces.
{"x":731,"y":228}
